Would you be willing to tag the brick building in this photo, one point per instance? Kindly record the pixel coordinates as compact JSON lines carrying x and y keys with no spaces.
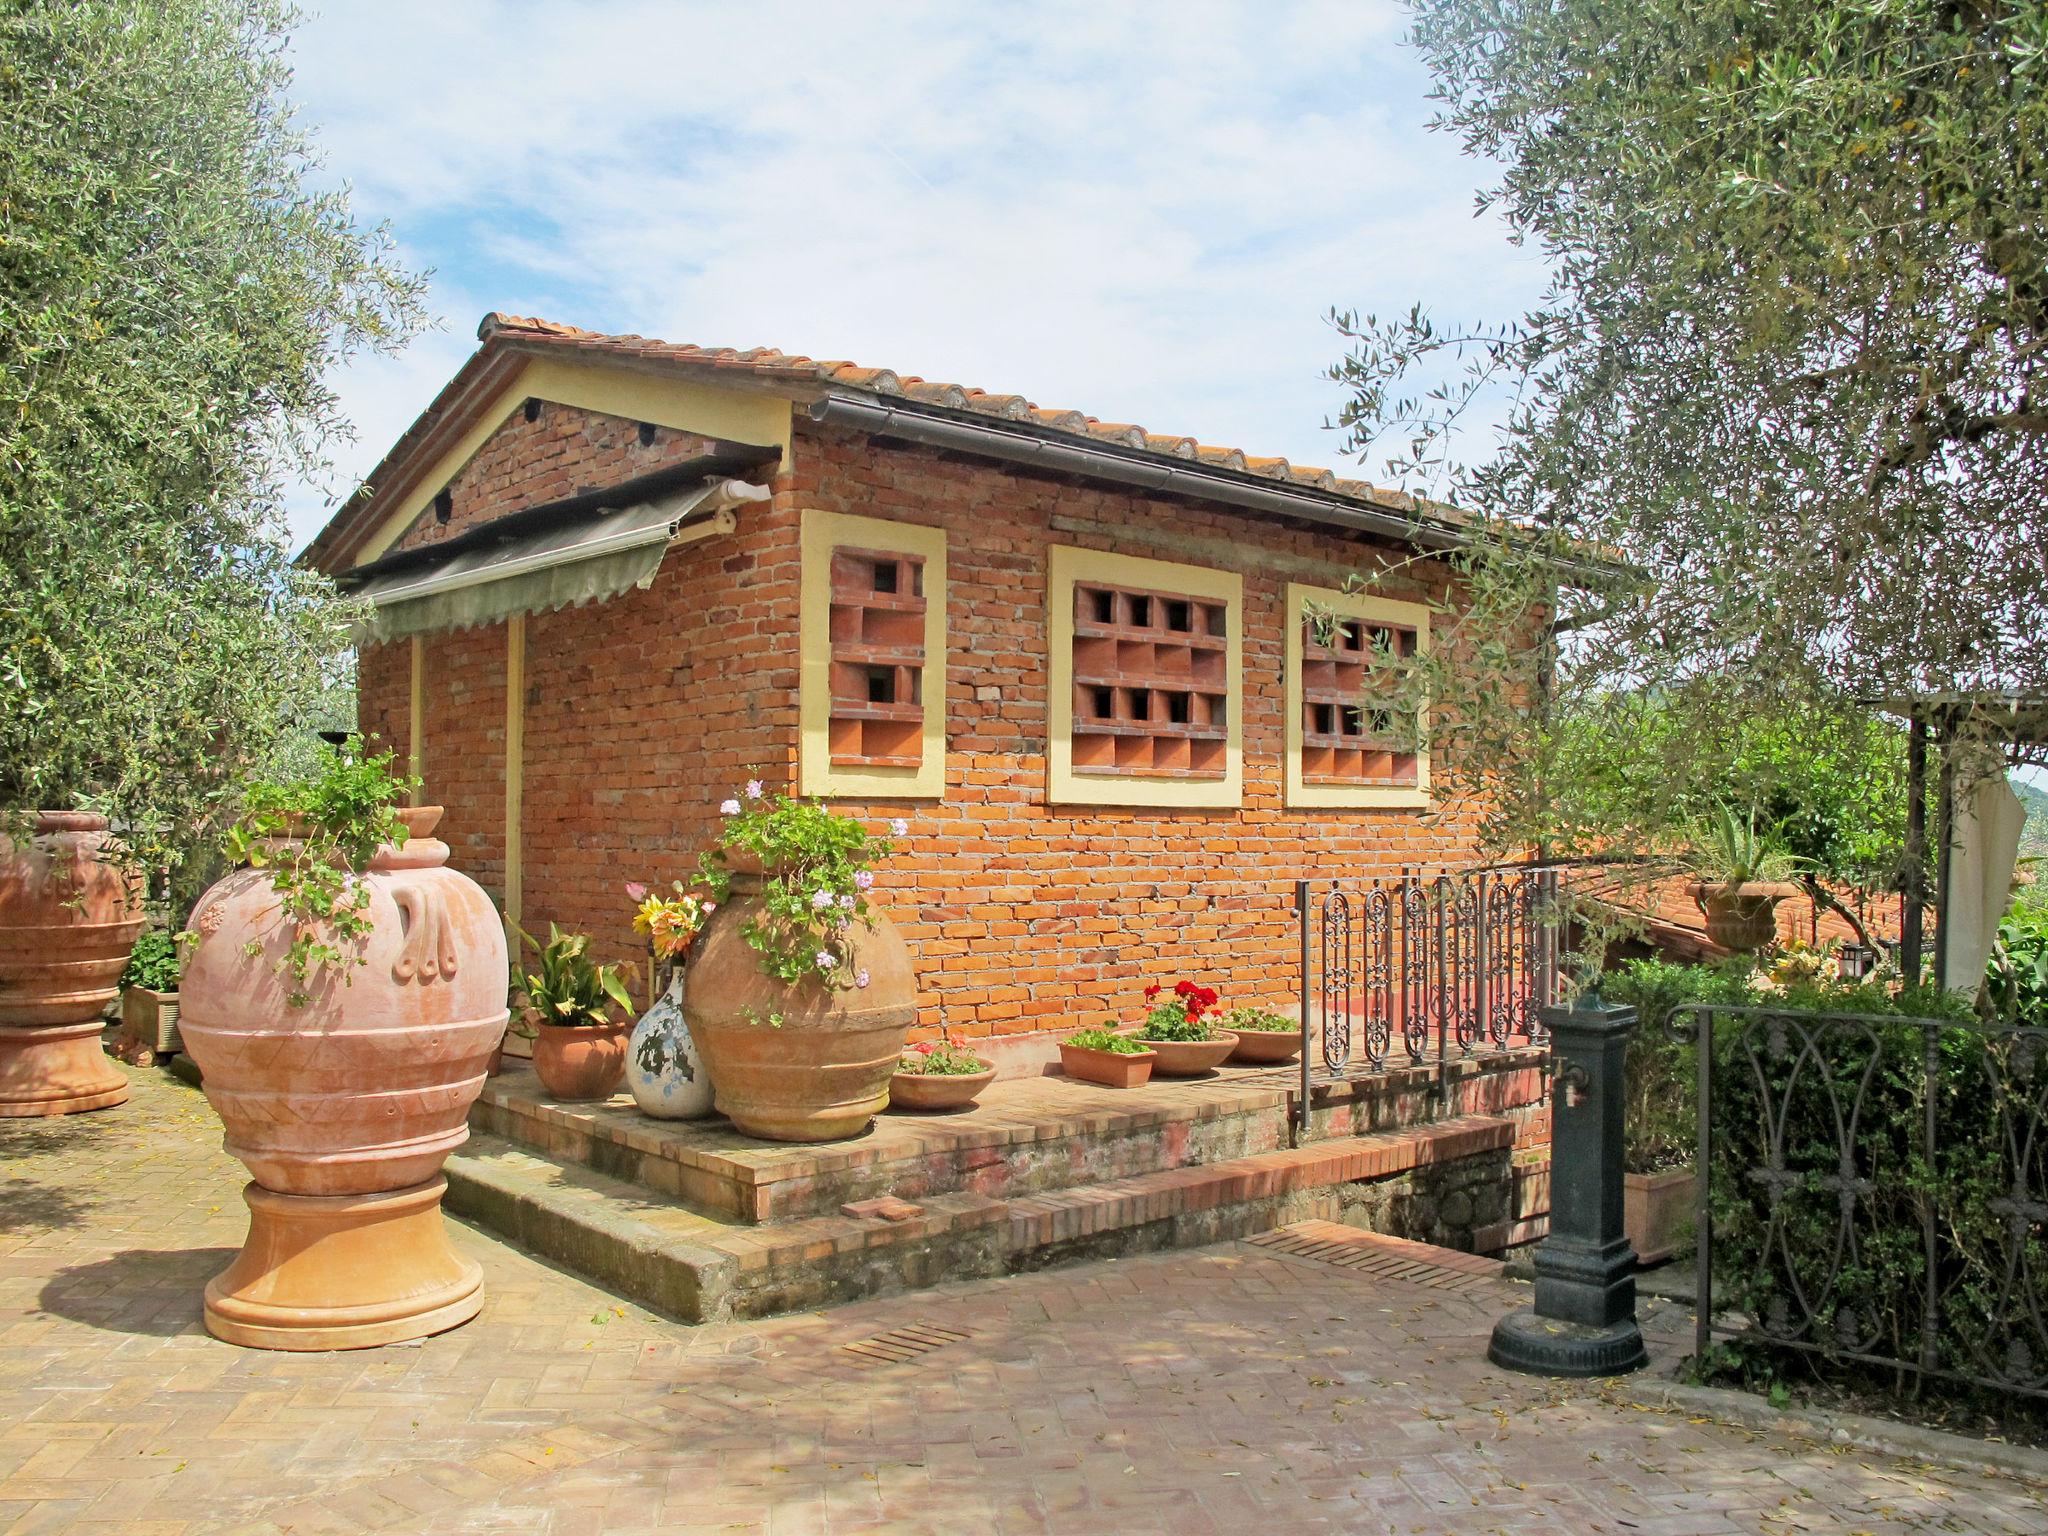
{"x":612,"y":576}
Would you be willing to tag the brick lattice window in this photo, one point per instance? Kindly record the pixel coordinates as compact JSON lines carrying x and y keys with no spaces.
{"x":1348,"y":736}
{"x":878,"y":632}
{"x":1151,"y":682}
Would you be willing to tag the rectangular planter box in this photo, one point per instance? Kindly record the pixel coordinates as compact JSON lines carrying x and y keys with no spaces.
{"x":1107,"y":1068}
{"x":1656,"y":1212}
{"x":150,"y":1018}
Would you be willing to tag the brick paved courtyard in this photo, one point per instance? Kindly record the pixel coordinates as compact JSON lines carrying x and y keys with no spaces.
{"x":1228,"y":1390}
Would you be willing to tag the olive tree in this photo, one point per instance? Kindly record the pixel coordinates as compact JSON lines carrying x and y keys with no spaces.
{"x":175,"y":288}
{"x":1783,"y":380}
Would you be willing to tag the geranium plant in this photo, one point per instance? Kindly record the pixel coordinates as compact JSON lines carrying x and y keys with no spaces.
{"x":816,"y":878}
{"x":315,"y":835}
{"x":940,"y":1058}
{"x":1182,"y":1017}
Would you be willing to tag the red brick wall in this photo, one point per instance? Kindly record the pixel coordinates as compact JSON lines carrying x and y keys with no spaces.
{"x":563,"y":452}
{"x":1024,"y":916}
{"x":641,"y":712}
{"x":644,"y":712}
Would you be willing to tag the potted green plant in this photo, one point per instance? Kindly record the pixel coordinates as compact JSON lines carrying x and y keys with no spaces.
{"x":1103,"y":1056}
{"x":1182,"y":1031}
{"x":577,"y":1015}
{"x":1659,"y":1111}
{"x":801,"y":992}
{"x":1264,"y":1038}
{"x":1740,"y":876}
{"x":937,"y":1074}
{"x":149,"y":995}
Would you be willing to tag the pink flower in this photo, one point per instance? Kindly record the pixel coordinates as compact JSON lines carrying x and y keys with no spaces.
{"x":729,"y":808}
{"x":826,"y":959}
{"x":846,"y":902}
{"x":753,"y":789}
{"x":860,"y":977}
{"x":820,"y":900}
{"x":865,"y":879}
{"x":636,"y":890}
{"x":899,"y":827}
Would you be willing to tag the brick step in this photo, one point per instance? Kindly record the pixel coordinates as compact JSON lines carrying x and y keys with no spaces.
{"x":1025,"y":1136}
{"x":703,"y":1268}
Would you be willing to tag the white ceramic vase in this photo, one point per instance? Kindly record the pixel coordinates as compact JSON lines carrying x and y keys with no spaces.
{"x":663,"y":1067}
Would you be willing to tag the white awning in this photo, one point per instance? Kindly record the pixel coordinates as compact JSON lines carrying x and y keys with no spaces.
{"x":549,"y":568}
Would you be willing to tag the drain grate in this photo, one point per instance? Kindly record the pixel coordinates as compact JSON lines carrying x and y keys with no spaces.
{"x":904,"y":1343}
{"x":1388,"y":1258}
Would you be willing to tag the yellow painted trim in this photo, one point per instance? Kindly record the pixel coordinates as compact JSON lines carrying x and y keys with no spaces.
{"x":817,"y":774}
{"x":1066,"y":787}
{"x":416,"y":721}
{"x":1357,"y":605}
{"x":515,"y":760}
{"x":684,"y":404}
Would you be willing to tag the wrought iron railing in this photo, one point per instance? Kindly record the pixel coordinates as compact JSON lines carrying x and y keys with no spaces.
{"x":1419,"y":967}
{"x":1874,"y":1190}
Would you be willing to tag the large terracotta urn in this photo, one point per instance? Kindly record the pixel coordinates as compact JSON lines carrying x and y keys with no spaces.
{"x":68,"y":917}
{"x":345,"y":1107}
{"x":808,"y":1062}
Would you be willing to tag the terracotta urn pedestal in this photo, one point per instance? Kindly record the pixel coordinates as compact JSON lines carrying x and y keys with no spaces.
{"x":345,"y":1107}
{"x":343,"y":1272}
{"x":67,"y":921}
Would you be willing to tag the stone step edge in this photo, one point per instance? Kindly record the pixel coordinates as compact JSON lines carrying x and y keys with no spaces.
{"x":1252,"y":1096}
{"x":574,"y":1215}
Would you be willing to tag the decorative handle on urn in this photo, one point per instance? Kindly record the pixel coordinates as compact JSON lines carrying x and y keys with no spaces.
{"x":428,"y":953}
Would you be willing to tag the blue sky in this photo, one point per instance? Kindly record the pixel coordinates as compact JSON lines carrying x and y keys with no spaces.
{"x":1143,"y":211}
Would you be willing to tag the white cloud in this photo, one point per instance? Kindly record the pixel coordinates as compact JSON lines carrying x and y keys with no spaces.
{"x":1142,"y":211}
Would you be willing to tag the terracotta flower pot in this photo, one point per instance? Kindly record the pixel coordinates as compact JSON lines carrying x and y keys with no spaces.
{"x":68,"y":918}
{"x":349,"y":1101}
{"x":1108,"y":1068}
{"x":822,"y":1072}
{"x":937,"y":1090}
{"x":1190,"y":1058}
{"x":1266,"y":1047}
{"x":1656,"y":1208}
{"x":580,"y":1062}
{"x":1742,"y":919}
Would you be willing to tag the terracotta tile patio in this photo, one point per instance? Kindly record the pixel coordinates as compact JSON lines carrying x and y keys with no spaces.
{"x":1228,"y":1389}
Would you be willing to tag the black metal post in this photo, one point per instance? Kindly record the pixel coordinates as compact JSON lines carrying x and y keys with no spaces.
{"x":1301,"y":907}
{"x":1584,"y":1319}
{"x":1913,"y":888}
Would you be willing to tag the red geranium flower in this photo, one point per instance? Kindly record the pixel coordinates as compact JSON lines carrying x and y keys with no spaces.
{"x":1151,"y":991}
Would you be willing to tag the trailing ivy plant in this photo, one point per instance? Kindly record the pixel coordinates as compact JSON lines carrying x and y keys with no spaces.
{"x":816,"y":876}
{"x":315,"y":836}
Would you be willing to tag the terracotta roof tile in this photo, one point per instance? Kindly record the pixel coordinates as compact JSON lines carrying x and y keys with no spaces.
{"x":501,"y":334}
{"x":768,"y":362}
